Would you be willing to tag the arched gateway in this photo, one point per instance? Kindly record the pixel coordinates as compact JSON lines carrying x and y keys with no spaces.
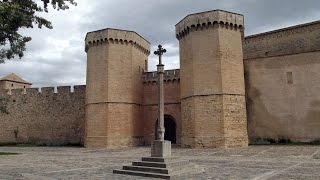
{"x":170,"y":129}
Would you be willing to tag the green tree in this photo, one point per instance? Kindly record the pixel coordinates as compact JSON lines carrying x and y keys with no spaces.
{"x":20,"y":14}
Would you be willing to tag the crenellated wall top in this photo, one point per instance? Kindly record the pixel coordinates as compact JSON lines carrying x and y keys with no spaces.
{"x":284,"y":32}
{"x":291,"y":40}
{"x":172,"y":75}
{"x":209,"y":18}
{"x":59,"y":90}
{"x":117,"y":36}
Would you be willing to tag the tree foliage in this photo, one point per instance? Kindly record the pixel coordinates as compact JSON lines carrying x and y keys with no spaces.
{"x":20,"y":14}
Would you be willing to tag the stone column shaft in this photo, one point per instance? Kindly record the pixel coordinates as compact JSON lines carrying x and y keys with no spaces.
{"x":160,"y":129}
{"x":160,"y":147}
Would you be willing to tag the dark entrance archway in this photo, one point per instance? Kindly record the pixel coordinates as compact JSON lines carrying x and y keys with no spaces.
{"x":170,"y":129}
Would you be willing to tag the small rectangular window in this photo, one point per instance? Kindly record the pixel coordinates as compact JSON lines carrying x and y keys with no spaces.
{"x":289,"y":78}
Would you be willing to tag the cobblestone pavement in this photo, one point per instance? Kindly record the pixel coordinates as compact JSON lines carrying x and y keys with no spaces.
{"x":254,"y":162}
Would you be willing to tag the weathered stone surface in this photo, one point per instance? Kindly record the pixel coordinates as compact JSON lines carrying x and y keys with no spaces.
{"x":253,"y":162}
{"x":208,"y":106}
{"x":160,"y":148}
{"x":213,"y":111}
{"x":110,"y":35}
{"x":114,"y":88}
{"x":298,"y":39}
{"x":160,"y":167}
{"x":44,"y":118}
{"x":204,"y":19}
{"x":172,"y":104}
{"x":283,"y":85}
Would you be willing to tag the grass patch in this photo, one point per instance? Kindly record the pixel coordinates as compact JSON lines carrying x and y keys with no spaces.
{"x":40,"y":144}
{"x":7,"y":153}
{"x":316,"y":142}
{"x":17,"y":145}
{"x":280,"y":141}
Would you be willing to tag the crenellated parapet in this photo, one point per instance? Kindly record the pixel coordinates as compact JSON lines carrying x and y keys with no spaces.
{"x":290,"y":40}
{"x":46,"y":116}
{"x":284,"y":33}
{"x":46,"y":91}
{"x":169,"y":76}
{"x":116,"y":36}
{"x":209,"y":19}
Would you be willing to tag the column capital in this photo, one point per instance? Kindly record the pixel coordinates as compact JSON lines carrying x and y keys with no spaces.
{"x":160,"y":68}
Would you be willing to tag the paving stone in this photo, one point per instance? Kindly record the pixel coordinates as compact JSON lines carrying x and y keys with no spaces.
{"x":254,"y":162}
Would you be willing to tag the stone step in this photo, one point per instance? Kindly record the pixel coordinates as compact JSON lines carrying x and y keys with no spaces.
{"x":147,"y":169}
{"x":143,"y":174}
{"x":159,"y":159}
{"x":153,"y":159}
{"x":149,"y":164}
{"x":160,"y":164}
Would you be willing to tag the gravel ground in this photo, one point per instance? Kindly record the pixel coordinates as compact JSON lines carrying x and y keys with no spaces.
{"x":253,"y":162}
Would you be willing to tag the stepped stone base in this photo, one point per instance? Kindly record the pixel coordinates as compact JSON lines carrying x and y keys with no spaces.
{"x":160,"y":148}
{"x":158,"y":167}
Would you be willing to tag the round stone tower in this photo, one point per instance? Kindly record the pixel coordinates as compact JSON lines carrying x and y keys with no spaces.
{"x":115,"y":65}
{"x":213,"y":108}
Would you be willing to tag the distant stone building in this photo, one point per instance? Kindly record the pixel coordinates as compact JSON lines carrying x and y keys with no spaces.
{"x":12,"y":81}
{"x":230,"y":90}
{"x":41,"y":116}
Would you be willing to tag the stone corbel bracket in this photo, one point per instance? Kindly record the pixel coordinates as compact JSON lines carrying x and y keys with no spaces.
{"x":215,"y":18}
{"x":117,"y":36}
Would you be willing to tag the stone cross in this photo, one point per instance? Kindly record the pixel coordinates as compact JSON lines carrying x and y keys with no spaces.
{"x":160,"y":52}
{"x":160,"y":70}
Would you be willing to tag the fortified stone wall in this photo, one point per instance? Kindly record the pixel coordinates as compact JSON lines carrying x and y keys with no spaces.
{"x":283,"y":84}
{"x":210,"y":106}
{"x":213,"y":108}
{"x":172,"y":105}
{"x":40,"y":116}
{"x":114,"y":115}
{"x":292,"y":40}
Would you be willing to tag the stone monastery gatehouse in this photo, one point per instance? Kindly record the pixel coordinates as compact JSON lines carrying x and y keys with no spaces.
{"x":230,"y":90}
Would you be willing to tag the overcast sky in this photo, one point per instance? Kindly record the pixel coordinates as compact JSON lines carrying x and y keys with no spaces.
{"x":56,"y":57}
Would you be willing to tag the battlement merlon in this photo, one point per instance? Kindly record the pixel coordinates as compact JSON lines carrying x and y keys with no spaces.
{"x":209,"y":18}
{"x":118,"y":36}
{"x":61,"y":90}
{"x":168,"y":75}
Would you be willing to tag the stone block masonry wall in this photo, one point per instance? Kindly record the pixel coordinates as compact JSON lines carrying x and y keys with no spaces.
{"x":235,"y":120}
{"x":282,"y":84}
{"x":116,"y":59}
{"x":292,"y":40}
{"x":42,"y":117}
{"x":213,"y":111}
{"x":283,"y":98}
{"x":172,"y":105}
{"x":202,"y":133}
{"x":221,"y":109}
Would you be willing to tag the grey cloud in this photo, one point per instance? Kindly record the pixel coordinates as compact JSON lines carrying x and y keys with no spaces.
{"x":273,"y":14}
{"x":46,"y":65}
